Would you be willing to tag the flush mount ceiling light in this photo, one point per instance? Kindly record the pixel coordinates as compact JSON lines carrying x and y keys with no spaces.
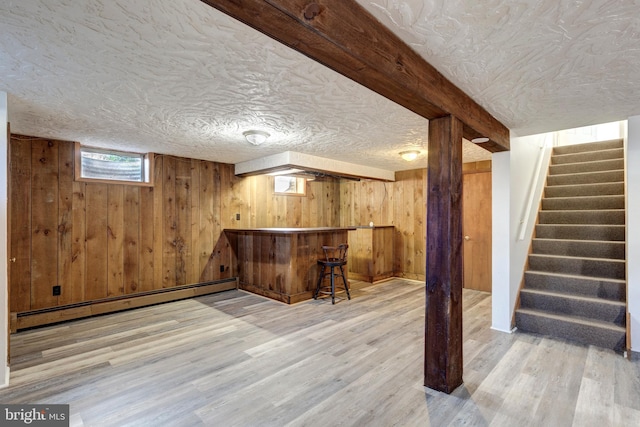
{"x":410,"y":155}
{"x":480,"y":140}
{"x":256,"y":137}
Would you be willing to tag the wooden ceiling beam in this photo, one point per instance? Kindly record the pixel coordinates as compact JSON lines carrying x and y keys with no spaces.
{"x":345,"y":37}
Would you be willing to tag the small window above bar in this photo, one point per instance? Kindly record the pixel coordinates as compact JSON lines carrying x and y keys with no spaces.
{"x":289,"y":185}
{"x":103,"y":165}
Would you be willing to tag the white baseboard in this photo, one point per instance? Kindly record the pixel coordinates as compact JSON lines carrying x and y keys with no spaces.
{"x":4,"y":380}
{"x":506,"y":331}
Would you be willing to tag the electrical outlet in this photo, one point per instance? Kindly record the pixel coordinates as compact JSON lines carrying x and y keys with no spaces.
{"x":237,"y":217}
{"x":56,"y":290}
{"x":221,"y":268}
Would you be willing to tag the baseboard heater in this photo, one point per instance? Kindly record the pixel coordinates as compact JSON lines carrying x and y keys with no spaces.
{"x":47,"y":316}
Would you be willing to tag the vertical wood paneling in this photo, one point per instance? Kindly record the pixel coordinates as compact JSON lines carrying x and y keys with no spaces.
{"x":401,"y":235}
{"x":401,"y":204}
{"x":313,"y":207}
{"x":347,"y":215}
{"x":294,"y":211}
{"x":103,"y":239}
{"x":96,"y":235}
{"x":262,"y":205}
{"x":20,"y":208}
{"x":158,"y":223}
{"x":194,"y":258}
{"x":223,"y":174}
{"x":131,"y":253}
{"x":65,"y":223}
{"x":409,"y":222}
{"x":207,"y":224}
{"x":182,"y":219}
{"x":169,"y":223}
{"x":44,"y":217}
{"x":420,"y":214}
{"x":147,"y":238}
{"x":76,"y":291}
{"x":115,"y":240}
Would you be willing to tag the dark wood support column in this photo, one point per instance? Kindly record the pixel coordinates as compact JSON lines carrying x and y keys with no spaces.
{"x":443,"y":328}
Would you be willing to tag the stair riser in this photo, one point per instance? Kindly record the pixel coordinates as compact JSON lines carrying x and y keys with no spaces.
{"x":581,"y":232}
{"x":603,"y":165}
{"x":587,"y":178}
{"x":582,"y":217}
{"x":587,"y":190}
{"x":578,"y":266}
{"x":613,"y":291}
{"x":591,"y":146}
{"x":585,"y":334}
{"x":602,"y":311}
{"x":587,"y":156}
{"x":577,"y":248}
{"x":583,"y":203}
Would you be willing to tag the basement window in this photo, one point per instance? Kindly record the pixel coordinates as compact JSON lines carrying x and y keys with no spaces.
{"x":100,"y":165}
{"x":290,"y":185}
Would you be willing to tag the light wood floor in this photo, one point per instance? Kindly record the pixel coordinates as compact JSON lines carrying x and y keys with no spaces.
{"x":236,"y":359}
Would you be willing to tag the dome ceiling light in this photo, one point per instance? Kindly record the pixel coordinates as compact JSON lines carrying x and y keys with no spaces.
{"x":256,"y":137}
{"x":410,"y":155}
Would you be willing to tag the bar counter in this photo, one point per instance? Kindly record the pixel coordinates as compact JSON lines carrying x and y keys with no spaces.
{"x":281,"y":263}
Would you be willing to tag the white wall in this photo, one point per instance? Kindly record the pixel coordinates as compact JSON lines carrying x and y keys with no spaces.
{"x":633,"y":229}
{"x":527,"y":182}
{"x":4,"y":286}
{"x":601,"y":132}
{"x":501,"y":240}
{"x":517,"y":188}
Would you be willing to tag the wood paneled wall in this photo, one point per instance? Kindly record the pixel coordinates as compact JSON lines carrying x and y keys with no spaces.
{"x":401,"y":204}
{"x":98,"y":240}
{"x":253,"y":198}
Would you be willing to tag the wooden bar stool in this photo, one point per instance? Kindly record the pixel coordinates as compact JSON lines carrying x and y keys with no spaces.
{"x":334,"y":256}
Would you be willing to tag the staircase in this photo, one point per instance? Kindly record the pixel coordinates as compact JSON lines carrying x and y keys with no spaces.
{"x":574,"y":287}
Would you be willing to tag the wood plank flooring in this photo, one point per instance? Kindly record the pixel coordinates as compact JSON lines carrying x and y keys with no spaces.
{"x":237,"y":359}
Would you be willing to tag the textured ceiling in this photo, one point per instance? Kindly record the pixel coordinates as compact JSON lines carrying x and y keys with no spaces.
{"x":536,"y":65}
{"x":178,"y":77}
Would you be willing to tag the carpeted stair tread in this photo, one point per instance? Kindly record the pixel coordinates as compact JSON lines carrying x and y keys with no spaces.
{"x":588,"y":156}
{"x":574,"y":286}
{"x":615,"y":232}
{"x":586,"y":177}
{"x":587,"y":216}
{"x":582,"y":330}
{"x":582,"y":266}
{"x":611,"y":289}
{"x":600,"y":165}
{"x":584,"y":202}
{"x":580,"y":190}
{"x":589,"y":146}
{"x":580,"y":248}
{"x":574,"y":305}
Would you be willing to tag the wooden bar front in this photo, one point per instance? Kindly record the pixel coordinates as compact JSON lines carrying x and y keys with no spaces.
{"x":281,"y":263}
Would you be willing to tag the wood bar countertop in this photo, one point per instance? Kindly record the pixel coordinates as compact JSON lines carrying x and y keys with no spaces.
{"x":281,"y":263}
{"x":291,"y":230}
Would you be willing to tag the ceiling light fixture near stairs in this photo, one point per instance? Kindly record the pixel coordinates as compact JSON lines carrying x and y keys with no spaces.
{"x":480,"y":140}
{"x":410,"y":155}
{"x":256,"y":137}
